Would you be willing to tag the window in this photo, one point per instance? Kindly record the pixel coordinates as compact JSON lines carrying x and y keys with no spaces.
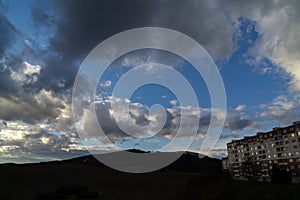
{"x":297,"y":153}
{"x":293,"y":135}
{"x":299,"y":133}
{"x":278,"y":149}
{"x":291,"y":160}
{"x":279,"y":154}
{"x":283,"y":154}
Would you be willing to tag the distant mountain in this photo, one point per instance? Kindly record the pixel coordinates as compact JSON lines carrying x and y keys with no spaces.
{"x":187,"y":162}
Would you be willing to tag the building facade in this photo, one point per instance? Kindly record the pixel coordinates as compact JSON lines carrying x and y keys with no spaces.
{"x":266,"y":156}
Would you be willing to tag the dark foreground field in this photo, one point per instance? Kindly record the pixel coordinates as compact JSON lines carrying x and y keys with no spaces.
{"x":84,"y":178}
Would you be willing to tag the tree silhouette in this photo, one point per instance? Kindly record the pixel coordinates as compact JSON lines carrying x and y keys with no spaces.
{"x":251,"y":168}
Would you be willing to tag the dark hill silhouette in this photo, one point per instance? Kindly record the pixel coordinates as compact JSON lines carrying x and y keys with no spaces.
{"x":188,"y":162}
{"x":189,"y":177}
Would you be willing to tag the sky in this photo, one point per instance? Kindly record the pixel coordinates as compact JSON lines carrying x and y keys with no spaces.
{"x":255,"y":45}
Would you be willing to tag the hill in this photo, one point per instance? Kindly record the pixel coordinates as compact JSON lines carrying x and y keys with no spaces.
{"x":85,"y":178}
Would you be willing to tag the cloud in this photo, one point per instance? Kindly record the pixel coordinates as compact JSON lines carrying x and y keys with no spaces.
{"x":106,"y":84}
{"x":19,"y":140}
{"x":240,"y":108}
{"x":78,"y":32}
{"x":139,"y":115}
{"x":237,"y":122}
{"x":27,"y":74}
{"x":42,"y":105}
{"x":218,"y":153}
{"x":278,"y":25}
{"x":229,"y":135}
{"x":174,"y":102}
{"x":283,"y":109}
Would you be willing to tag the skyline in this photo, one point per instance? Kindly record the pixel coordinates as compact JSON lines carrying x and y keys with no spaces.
{"x":255,"y":46}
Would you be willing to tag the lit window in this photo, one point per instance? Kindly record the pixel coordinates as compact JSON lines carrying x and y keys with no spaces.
{"x":297,"y":153}
{"x":299,"y":133}
{"x":293,"y":135}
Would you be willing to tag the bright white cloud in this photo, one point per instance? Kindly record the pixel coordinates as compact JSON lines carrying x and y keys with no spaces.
{"x":283,"y":109}
{"x":279,"y":26}
{"x":174,"y":102}
{"x":26,"y":73}
{"x":106,"y":84}
{"x":240,"y":108}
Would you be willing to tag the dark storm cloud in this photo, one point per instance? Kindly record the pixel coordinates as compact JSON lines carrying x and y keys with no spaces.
{"x":229,"y":135}
{"x":85,"y":24}
{"x":81,"y":25}
{"x":237,"y":122}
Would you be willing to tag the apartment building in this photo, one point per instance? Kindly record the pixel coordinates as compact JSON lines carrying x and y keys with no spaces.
{"x":266,"y":155}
